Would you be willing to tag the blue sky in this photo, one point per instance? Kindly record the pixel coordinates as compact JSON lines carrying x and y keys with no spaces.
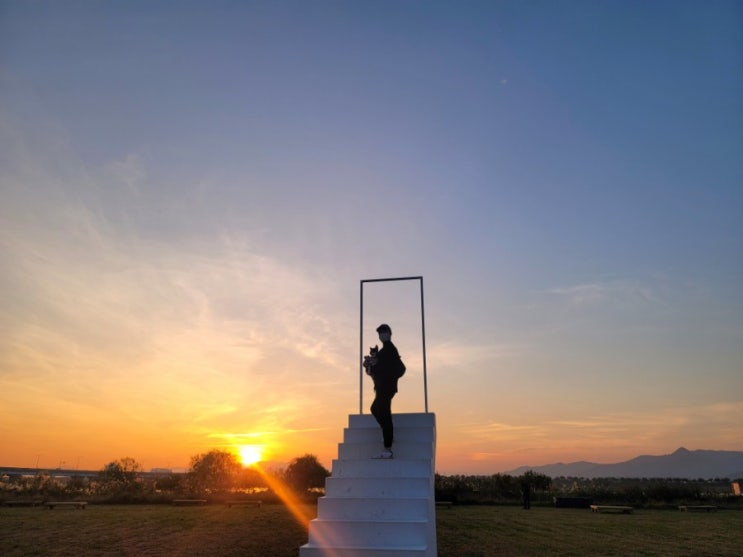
{"x":192,"y":192}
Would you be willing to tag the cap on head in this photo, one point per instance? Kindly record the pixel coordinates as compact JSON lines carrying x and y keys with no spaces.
{"x":384,"y":328}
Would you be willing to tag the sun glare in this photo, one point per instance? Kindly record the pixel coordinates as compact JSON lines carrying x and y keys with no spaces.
{"x":250,"y":454}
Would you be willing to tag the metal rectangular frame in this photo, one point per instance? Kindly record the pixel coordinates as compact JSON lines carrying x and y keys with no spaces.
{"x":361,"y":338}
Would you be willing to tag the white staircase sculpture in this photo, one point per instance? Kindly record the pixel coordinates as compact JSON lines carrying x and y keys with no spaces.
{"x":376,"y":507}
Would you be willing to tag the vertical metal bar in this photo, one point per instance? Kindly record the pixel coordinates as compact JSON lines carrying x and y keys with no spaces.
{"x":361,"y":348}
{"x":423,"y":335}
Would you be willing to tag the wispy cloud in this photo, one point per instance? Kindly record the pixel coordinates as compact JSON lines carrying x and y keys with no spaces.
{"x":613,"y":291}
{"x":466,"y":354}
{"x":103,"y":312}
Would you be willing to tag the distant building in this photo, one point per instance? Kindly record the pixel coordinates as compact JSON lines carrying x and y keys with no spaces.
{"x":736,"y":487}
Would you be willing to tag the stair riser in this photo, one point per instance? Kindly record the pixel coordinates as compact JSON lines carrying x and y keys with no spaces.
{"x":374,"y":435}
{"x":403,"y":420}
{"x":372,"y":509}
{"x":309,"y":551}
{"x":382,"y":468}
{"x":367,"y":534}
{"x":408,"y":449}
{"x":378,"y":487}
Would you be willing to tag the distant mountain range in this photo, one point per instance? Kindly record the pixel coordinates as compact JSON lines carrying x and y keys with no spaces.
{"x":682,"y":463}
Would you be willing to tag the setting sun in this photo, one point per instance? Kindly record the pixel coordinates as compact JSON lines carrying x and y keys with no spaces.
{"x":250,"y":454}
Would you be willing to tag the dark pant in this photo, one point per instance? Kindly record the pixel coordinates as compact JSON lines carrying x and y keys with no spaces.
{"x":381,"y":409}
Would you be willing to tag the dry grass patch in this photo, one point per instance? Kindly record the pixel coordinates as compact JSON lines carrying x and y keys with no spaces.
{"x":150,"y":530}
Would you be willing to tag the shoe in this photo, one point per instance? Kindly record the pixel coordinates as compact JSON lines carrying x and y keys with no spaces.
{"x":387,"y":453}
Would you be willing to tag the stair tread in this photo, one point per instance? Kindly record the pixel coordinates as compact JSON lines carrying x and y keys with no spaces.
{"x":378,"y":477}
{"x":372,"y":499}
{"x":368,"y":547}
{"x":350,"y":548}
{"x":373,"y":520}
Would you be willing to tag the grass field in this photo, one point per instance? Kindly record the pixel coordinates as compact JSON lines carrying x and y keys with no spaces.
{"x":271,"y":531}
{"x":511,"y":532}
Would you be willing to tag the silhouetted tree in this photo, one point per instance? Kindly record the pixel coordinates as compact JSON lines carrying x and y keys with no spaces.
{"x":77,"y":486}
{"x":305,"y":472}
{"x":214,"y":472}
{"x":536,"y":481}
{"x":170,"y":483}
{"x":250,"y":478}
{"x":120,"y":475}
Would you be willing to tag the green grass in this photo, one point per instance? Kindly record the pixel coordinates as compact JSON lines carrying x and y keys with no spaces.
{"x":215,"y":530}
{"x":543,"y":531}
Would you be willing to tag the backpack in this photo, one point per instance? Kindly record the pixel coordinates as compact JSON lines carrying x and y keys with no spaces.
{"x":400,"y":368}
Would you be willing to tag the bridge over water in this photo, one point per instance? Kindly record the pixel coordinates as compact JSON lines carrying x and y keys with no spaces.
{"x":12,"y":471}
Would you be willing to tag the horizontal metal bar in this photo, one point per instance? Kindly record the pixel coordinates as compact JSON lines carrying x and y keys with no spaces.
{"x":391,"y":279}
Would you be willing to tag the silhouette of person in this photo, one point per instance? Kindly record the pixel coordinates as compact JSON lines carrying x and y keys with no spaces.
{"x":526,"y":492}
{"x":385,"y":369}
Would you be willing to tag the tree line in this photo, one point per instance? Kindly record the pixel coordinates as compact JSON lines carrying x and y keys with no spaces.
{"x":493,"y":489}
{"x":543,"y":490}
{"x":217,"y":475}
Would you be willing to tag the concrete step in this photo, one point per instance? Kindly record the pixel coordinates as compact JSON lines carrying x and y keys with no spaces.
{"x":402,"y":434}
{"x":406,"y":449}
{"x":399,"y":487}
{"x":374,"y":507}
{"x":364,"y":533}
{"x":313,"y":551}
{"x":371,"y":508}
{"x":382,"y":468}
{"x":401,"y":420}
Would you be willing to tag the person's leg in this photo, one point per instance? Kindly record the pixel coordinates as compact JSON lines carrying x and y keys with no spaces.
{"x":381,"y":409}
{"x":376,"y":408}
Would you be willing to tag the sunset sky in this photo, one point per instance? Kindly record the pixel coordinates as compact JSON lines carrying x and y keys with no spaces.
{"x":190,"y":193}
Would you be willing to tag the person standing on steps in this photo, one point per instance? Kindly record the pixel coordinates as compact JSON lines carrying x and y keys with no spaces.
{"x":385,"y":367}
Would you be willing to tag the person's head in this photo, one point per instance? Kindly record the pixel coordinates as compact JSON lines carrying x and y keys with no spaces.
{"x":384,"y":331}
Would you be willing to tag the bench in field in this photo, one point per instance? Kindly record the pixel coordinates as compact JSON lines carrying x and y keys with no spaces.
{"x":188,"y":502}
{"x":74,"y":504}
{"x":446,"y":504}
{"x":698,"y":508}
{"x":251,"y":502}
{"x":611,"y":509}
